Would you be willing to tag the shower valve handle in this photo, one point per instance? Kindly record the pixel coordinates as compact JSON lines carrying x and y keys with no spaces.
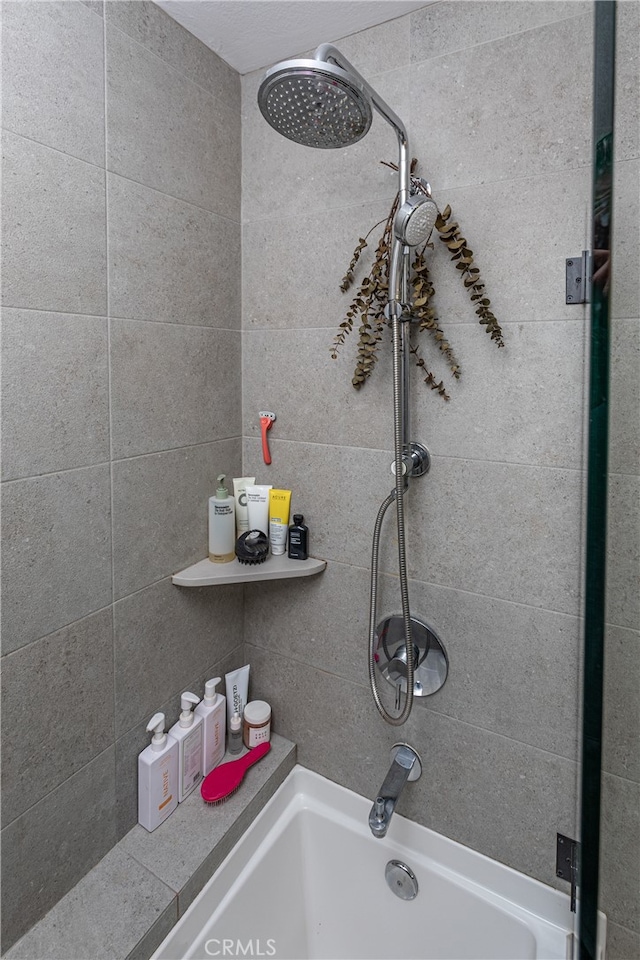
{"x":266,"y":420}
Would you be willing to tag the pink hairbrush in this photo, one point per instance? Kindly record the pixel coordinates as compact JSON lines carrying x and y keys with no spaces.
{"x":224,"y":780}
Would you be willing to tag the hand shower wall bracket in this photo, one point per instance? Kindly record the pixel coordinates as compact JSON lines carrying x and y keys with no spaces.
{"x":416,"y":461}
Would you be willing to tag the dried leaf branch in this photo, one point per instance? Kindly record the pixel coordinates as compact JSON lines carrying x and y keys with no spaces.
{"x":463,"y":255}
{"x":367,"y":306}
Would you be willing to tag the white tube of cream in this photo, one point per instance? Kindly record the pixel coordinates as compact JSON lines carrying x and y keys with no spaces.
{"x":258,"y":507}
{"x":240,"y":485}
{"x":237,"y":687}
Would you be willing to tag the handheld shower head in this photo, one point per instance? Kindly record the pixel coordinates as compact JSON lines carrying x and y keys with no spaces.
{"x":415,"y":219}
{"x":315,"y":103}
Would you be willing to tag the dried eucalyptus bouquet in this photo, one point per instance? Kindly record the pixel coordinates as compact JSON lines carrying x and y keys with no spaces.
{"x":367,"y":306}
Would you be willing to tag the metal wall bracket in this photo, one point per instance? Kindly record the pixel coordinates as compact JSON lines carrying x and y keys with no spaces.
{"x":578,"y":278}
{"x":567,"y":863}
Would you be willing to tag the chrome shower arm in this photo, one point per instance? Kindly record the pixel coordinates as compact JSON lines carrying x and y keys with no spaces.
{"x":326,"y":52}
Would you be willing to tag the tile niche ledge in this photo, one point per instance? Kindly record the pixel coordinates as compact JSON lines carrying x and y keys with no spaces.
{"x":125,"y":907}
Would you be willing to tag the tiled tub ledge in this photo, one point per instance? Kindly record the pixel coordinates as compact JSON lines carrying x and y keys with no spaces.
{"x":124,"y":907}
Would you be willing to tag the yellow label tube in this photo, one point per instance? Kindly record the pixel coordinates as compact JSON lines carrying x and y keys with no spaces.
{"x":279,"y":504}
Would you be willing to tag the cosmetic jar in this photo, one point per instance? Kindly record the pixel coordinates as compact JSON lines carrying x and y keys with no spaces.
{"x":256,"y":725}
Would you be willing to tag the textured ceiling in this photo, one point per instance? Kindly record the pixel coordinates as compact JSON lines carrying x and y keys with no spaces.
{"x":249,"y":34}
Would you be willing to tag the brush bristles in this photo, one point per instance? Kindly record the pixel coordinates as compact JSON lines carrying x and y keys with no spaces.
{"x":216,"y":803}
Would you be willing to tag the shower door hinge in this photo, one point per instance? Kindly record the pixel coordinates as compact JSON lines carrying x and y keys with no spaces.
{"x":578,"y":278}
{"x":567,"y":851}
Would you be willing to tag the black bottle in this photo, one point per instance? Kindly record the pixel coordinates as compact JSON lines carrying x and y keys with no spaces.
{"x":298,"y":538}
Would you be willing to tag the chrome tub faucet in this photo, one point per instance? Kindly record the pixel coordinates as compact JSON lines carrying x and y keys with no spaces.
{"x":405,"y":765}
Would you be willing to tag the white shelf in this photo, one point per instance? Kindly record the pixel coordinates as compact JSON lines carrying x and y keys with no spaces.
{"x":206,"y":574}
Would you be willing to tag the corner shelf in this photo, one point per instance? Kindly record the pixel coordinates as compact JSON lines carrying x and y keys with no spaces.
{"x":207,"y":574}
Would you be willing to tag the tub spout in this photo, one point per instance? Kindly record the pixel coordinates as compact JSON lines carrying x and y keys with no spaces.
{"x":405,"y":765}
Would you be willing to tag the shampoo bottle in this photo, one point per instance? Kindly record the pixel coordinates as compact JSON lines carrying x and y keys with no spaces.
{"x":222,"y":525}
{"x":188,"y":732}
{"x":157,"y":776}
{"x":214,"y":722}
{"x":298,"y":538}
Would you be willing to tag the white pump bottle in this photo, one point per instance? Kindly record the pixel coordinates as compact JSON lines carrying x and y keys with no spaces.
{"x":188,"y":732}
{"x":157,"y":776}
{"x":214,"y":721}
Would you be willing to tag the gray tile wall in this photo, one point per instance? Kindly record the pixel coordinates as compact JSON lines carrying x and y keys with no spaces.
{"x":121,"y":395}
{"x":497,"y":99}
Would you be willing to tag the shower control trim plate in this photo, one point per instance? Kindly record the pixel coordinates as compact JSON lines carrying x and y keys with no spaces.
{"x":431,"y":663}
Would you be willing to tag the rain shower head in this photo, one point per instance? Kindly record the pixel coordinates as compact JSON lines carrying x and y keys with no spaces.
{"x":315,"y":103}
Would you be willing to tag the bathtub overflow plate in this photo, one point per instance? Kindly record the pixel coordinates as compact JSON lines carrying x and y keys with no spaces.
{"x":401,"y":880}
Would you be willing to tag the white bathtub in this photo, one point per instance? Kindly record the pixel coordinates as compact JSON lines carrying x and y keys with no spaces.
{"x":306,"y":882}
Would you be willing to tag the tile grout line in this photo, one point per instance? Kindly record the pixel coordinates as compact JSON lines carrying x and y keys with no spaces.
{"x":121,"y":176}
{"x":171,"y":67}
{"x":103,"y":316}
{"x":110,"y":396}
{"x":452,"y":719}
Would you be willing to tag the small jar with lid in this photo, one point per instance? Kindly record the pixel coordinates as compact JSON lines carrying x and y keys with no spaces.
{"x":256,"y":724}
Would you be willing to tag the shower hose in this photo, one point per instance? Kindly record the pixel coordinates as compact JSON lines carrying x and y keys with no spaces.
{"x":396,"y":494}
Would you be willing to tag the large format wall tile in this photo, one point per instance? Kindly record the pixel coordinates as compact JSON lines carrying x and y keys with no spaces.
{"x":505,"y":407}
{"x":170,"y":260}
{"x":625,"y":291}
{"x":527,"y":657}
{"x":322,"y":622}
{"x":624,"y":429}
{"x":160,"y":510}
{"x":54,"y":247}
{"x":513,"y":669}
{"x":293,"y":266}
{"x":72,"y":671}
{"x":621,"y":719}
{"x":147,"y":23}
{"x":440,"y":28}
{"x":623,"y":551}
{"x":164,"y":624}
{"x":378,"y":49}
{"x":489,"y":120}
{"x":494,"y":217}
{"x":167,"y":132}
{"x":57,"y":552}
{"x":627,"y":84}
{"x":53,"y":76}
{"x":621,"y":942}
{"x":198,"y":372}
{"x":620,"y":841}
{"x":502,"y":530}
{"x":519,"y":525}
{"x":51,"y":846}
{"x":55,"y":392}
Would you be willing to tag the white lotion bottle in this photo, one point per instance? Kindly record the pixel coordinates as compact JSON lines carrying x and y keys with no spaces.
{"x":214,"y":725}
{"x":188,"y":732}
{"x":157,"y":776}
{"x":222,"y":525}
